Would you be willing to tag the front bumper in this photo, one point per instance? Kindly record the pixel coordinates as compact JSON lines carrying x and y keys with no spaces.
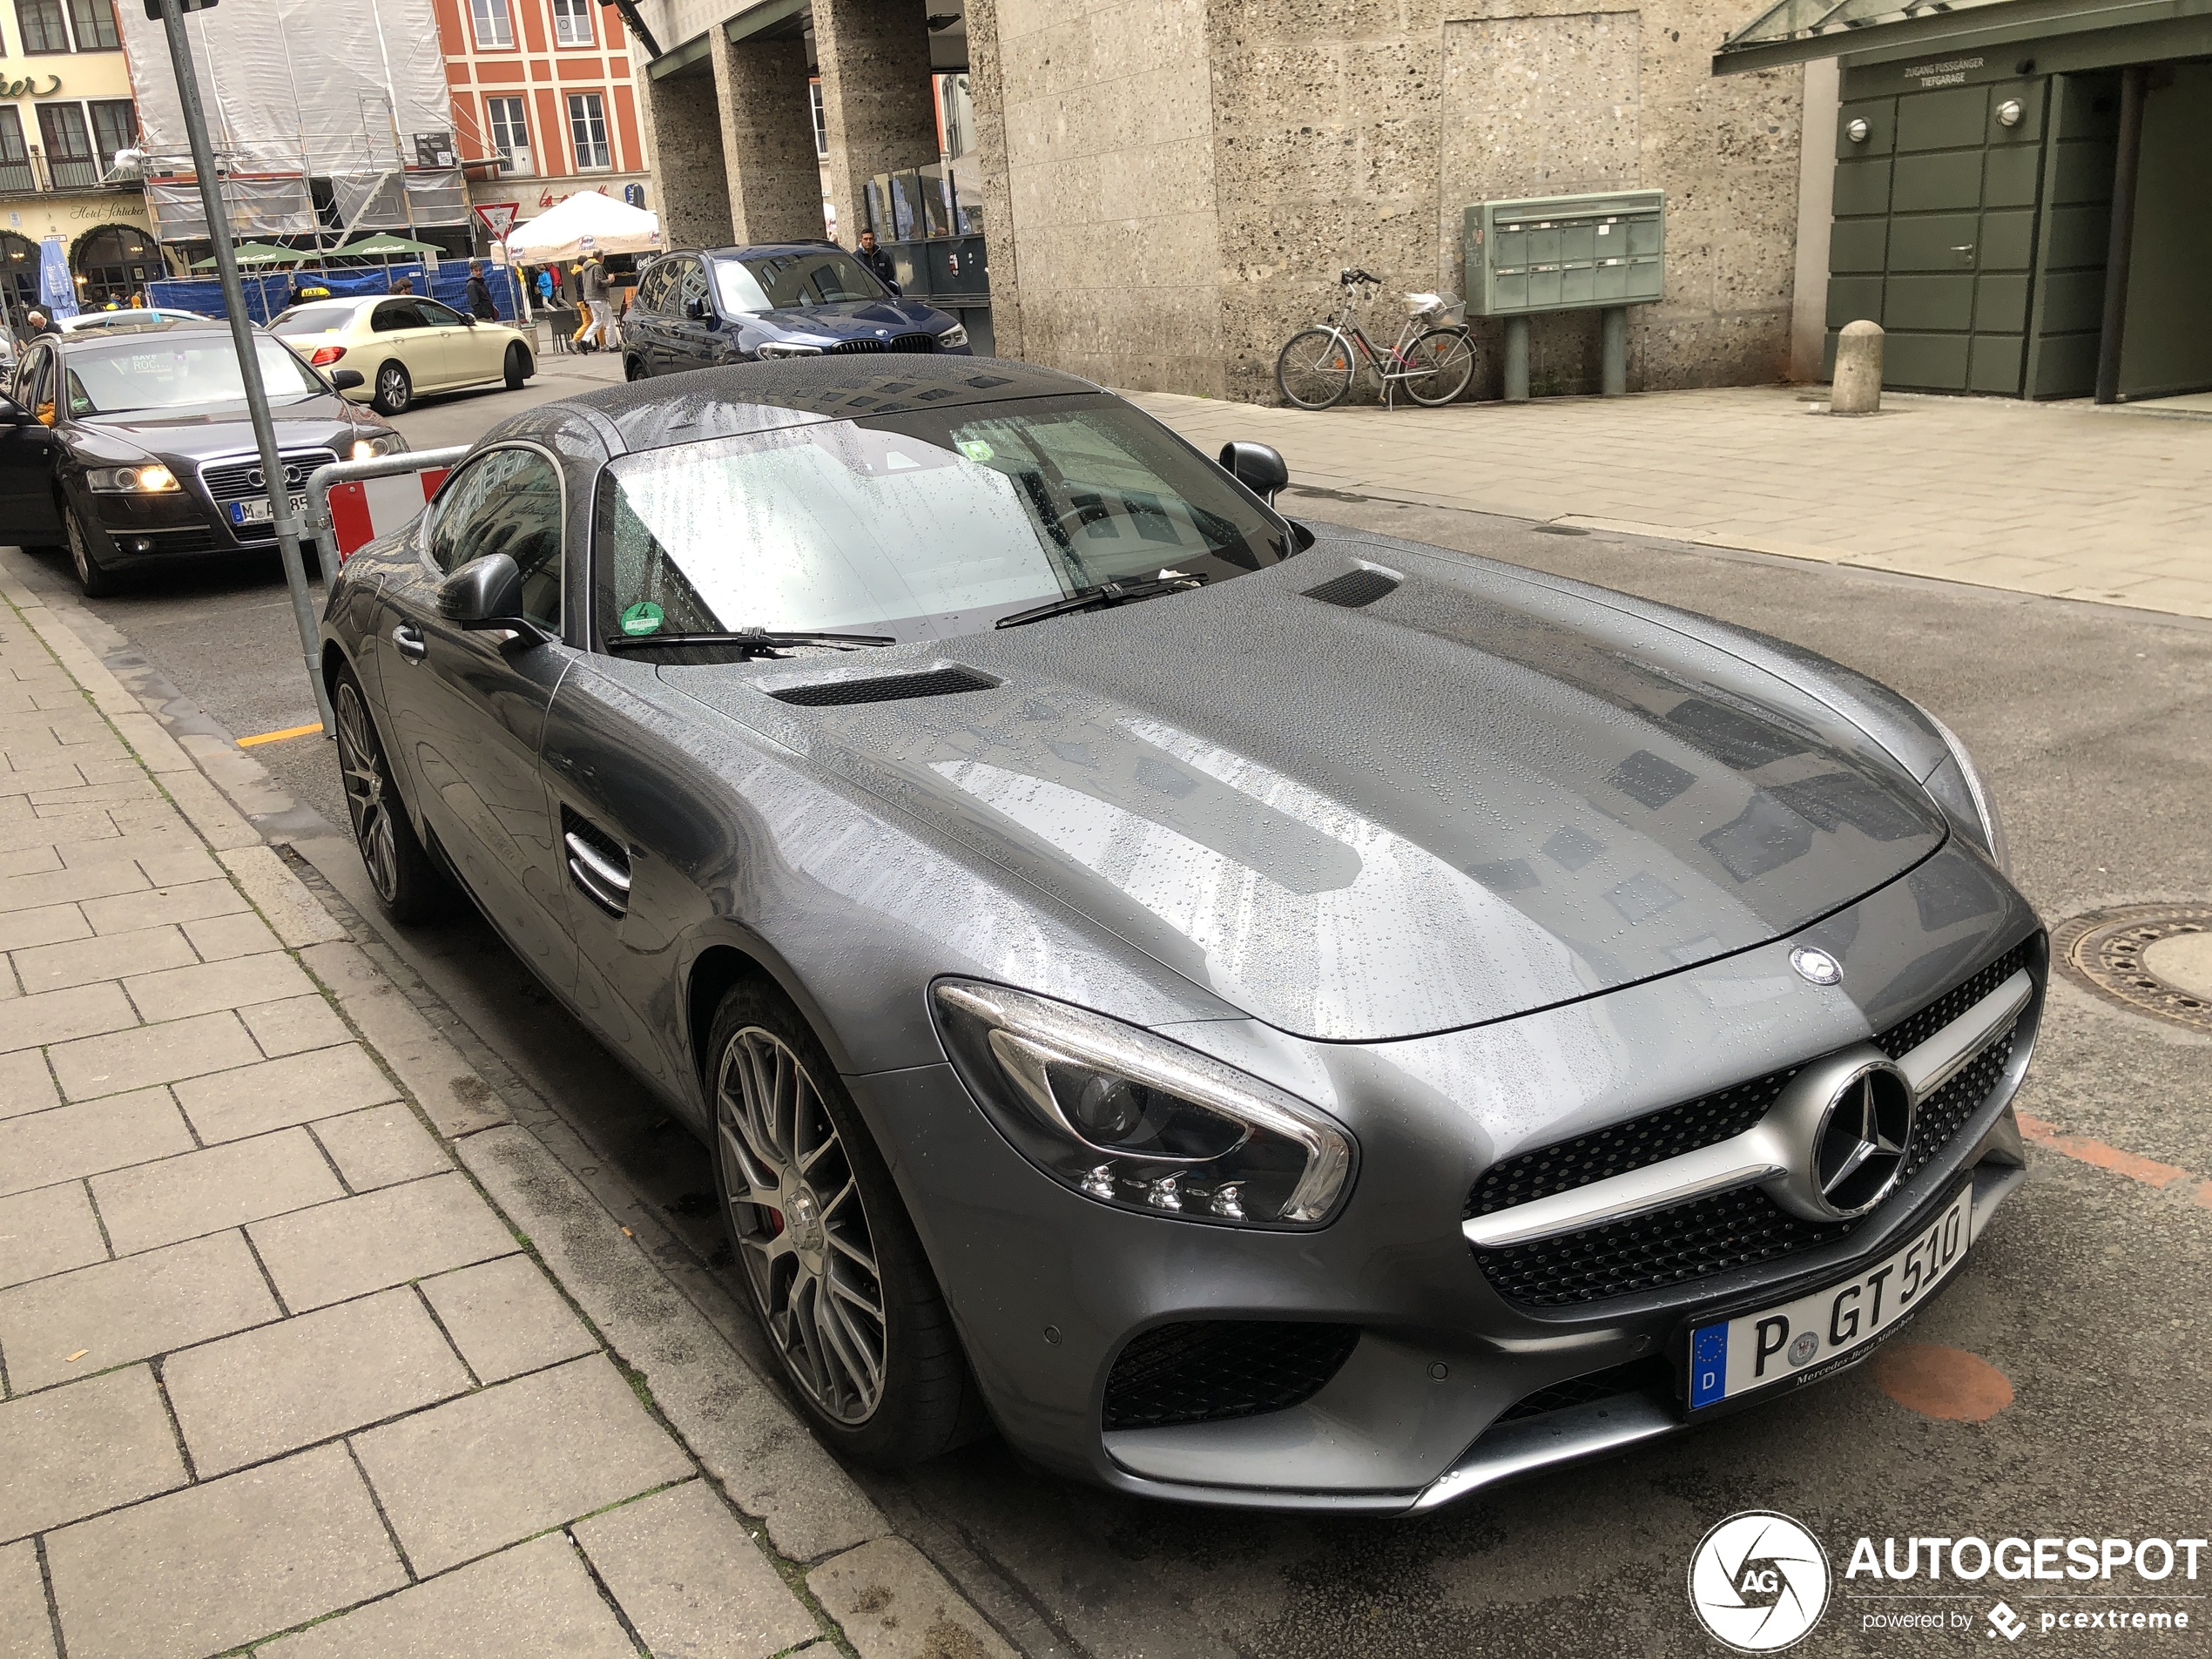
{"x":1048,"y":1287}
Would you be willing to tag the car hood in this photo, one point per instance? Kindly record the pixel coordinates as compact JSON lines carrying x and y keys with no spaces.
{"x":193,"y":434}
{"x":1472,"y":798}
{"x":855,"y":319}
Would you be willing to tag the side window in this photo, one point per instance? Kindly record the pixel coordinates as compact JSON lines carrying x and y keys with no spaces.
{"x":38,"y":385}
{"x":437,"y":316}
{"x":691,"y":286}
{"x":507,"y":501}
{"x":392,"y":314}
{"x":653,"y":293}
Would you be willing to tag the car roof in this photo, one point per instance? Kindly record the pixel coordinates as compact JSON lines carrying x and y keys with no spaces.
{"x":751,"y":250}
{"x":750,"y":397}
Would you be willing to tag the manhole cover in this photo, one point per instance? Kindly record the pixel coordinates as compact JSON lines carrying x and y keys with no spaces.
{"x":2106,"y":950}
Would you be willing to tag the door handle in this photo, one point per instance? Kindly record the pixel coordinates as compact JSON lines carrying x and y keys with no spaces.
{"x":410,"y":642}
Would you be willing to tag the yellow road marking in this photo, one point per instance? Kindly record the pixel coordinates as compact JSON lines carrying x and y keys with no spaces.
{"x":278,"y":737}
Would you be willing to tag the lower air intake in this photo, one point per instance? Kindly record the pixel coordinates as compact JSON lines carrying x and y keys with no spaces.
{"x":1212,"y":1370}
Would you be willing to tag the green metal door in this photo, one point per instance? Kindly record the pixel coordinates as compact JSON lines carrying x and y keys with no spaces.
{"x":1934,"y":236}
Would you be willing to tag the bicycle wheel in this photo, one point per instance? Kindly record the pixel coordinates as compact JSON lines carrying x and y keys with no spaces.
{"x":1314,"y":370}
{"x":1441,"y":364}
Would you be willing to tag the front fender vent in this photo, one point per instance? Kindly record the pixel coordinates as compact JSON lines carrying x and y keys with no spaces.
{"x":1354,"y":589}
{"x":1213,"y":1370}
{"x":884,"y":688}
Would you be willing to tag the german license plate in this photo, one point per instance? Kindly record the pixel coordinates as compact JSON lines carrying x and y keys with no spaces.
{"x":256,"y":510}
{"x":1816,"y":1333}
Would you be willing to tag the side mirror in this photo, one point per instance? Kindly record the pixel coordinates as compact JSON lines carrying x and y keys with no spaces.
{"x":13,"y":414}
{"x":485,"y":595}
{"x":345,"y":379}
{"x":1257,"y":467}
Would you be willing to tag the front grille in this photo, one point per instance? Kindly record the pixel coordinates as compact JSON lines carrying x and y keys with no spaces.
{"x":1910,"y":1033}
{"x":913,"y":344}
{"x":884,"y":688}
{"x":846,"y":347}
{"x":230,"y":480}
{"x":1943,"y":1114}
{"x":1652,"y":1376}
{"x":1212,"y":1371}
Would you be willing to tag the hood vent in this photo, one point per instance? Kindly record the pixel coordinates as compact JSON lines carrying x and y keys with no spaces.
{"x":1355,"y":587}
{"x":884,"y":688}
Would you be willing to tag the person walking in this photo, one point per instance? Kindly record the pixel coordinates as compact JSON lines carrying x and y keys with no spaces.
{"x":548,"y":285}
{"x":879,"y":262}
{"x":481,"y":306}
{"x":591,"y":282}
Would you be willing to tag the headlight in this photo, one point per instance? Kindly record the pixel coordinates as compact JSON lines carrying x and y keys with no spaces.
{"x":384,"y":443}
{"x":131,"y":480}
{"x":1140,"y":1123}
{"x":1960,"y":789}
{"x":955,"y":335}
{"x":785,"y":348}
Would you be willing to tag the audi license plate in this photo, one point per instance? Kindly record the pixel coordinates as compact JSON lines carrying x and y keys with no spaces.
{"x":256,"y":510}
{"x":1821,"y":1333}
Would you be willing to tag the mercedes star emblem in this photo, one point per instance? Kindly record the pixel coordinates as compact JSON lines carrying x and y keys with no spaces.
{"x":1815,"y":967}
{"x":1859,"y":1152}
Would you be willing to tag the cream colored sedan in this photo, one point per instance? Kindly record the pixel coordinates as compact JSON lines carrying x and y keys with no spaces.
{"x":403,"y":345}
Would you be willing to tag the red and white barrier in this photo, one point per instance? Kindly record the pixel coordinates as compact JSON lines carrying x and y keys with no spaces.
{"x":367,"y":508}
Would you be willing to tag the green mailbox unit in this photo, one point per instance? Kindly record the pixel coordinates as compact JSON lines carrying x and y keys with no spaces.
{"x":1565,"y":253}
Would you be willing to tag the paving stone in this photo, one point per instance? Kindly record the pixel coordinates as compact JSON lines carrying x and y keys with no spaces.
{"x":219,"y":938}
{"x":90,"y":835}
{"x":26,"y":1085}
{"x":187,"y":902}
{"x":152,"y":1054}
{"x":691,"y":1578}
{"x":61,"y":1016}
{"x":523,"y":1603}
{"x":48,"y":1232}
{"x":359,"y":1245}
{"x":495,"y":1466}
{"x":24,"y":929}
{"x":158,"y":1204}
{"x":115,"y":1312}
{"x":180,"y":993}
{"x":95,"y":881}
{"x":163,"y":860}
{"x":105,"y":794}
{"x":26,"y":1628}
{"x":288,"y":1385}
{"x":29,"y":781}
{"x":72,"y":1452}
{"x":65,"y":1142}
{"x":221,"y":1564}
{"x":25,"y":860}
{"x":506,"y":1319}
{"x":892,"y":1604}
{"x":379,"y":1146}
{"x":275,"y":1094}
{"x":53,"y":968}
{"x":294,"y":1025}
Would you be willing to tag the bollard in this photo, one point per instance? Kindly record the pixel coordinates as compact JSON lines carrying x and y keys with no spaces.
{"x":1858,"y":386}
{"x":1516,"y":359}
{"x":1615,"y":380}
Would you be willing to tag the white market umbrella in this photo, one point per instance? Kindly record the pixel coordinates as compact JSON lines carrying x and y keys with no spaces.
{"x":587,"y":223}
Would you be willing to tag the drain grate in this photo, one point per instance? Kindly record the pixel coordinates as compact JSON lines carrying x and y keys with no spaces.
{"x":2104,"y":951}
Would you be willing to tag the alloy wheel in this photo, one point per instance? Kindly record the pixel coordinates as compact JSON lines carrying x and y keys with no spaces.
{"x":393,"y":391}
{"x":801,"y":1229}
{"x":361,"y":766}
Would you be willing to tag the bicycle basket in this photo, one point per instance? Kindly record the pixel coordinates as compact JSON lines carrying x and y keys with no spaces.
{"x":1432,"y":308}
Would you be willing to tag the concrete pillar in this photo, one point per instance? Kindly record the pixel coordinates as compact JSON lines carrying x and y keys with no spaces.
{"x":987,"y":92}
{"x":1858,"y":388}
{"x":682,"y":130}
{"x":768,"y":140}
{"x":1516,"y":359}
{"x":873,"y":58}
{"x":1815,"y":219}
{"x":1613,"y":380}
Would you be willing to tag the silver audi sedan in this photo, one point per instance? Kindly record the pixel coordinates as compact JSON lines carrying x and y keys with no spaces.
{"x":1261,"y":1013}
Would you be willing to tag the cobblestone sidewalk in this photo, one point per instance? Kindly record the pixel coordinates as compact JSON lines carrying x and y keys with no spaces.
{"x":285,"y":1370}
{"x":2060,"y":500}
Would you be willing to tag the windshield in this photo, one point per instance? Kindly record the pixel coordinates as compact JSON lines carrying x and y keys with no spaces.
{"x":172,"y":372}
{"x":315,"y":320}
{"x":828,"y":278}
{"x":920,"y":526}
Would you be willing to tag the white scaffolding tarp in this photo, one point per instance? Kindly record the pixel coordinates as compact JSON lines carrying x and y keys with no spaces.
{"x":586,"y":222}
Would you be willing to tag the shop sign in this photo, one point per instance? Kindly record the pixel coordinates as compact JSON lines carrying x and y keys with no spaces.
{"x":27,"y":87}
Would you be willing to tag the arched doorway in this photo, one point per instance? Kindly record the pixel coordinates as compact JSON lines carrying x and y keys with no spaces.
{"x":113,"y":263}
{"x":18,"y":274}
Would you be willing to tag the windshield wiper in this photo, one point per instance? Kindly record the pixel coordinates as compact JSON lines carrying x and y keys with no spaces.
{"x":752,"y":642}
{"x":1103,"y":594}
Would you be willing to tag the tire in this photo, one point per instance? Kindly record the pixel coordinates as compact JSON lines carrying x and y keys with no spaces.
{"x":633,"y":369}
{"x":407,"y":885}
{"x":1448,"y":355}
{"x":518,"y":366}
{"x":97,"y":580}
{"x":1314,"y":370}
{"x":887,"y":1383}
{"x":394,"y":391}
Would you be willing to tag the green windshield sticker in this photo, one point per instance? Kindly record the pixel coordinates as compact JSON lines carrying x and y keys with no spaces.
{"x":644,"y":618}
{"x":975,"y":448}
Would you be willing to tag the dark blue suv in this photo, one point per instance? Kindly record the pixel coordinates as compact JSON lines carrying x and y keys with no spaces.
{"x":739,"y":305}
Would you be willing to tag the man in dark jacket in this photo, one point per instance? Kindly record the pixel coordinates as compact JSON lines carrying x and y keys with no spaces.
{"x":481,"y":304}
{"x":877,"y":260}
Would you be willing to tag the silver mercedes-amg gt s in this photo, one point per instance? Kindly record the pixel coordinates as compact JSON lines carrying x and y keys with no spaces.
{"x":1263,"y":1013}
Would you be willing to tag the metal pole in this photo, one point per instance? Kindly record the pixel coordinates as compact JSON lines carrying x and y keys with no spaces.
{"x":1616,"y":382}
{"x":249,"y":365}
{"x":1516,"y":359}
{"x":2133,"y":82}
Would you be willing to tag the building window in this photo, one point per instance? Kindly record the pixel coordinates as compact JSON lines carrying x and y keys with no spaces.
{"x":495,"y":28}
{"x":113,"y":263}
{"x":115,"y":126}
{"x":43,"y":29}
{"x":71,"y":164}
{"x":95,"y":21}
{"x":572,"y":23}
{"x":821,"y":120}
{"x":588,"y":131}
{"x":15,"y":160}
{"x":510,"y":134}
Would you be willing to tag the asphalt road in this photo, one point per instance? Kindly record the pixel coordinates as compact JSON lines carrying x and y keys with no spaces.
{"x":2087,"y":1295}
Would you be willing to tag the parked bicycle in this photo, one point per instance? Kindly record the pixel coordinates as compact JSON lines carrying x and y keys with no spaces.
{"x":1433,"y":360}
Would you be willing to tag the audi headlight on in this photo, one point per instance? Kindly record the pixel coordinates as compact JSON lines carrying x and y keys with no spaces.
{"x":131,"y":480}
{"x":378,"y":445}
{"x":1135,"y":1121}
{"x":775,"y":348}
{"x":955,"y":335}
{"x":1963,"y":794}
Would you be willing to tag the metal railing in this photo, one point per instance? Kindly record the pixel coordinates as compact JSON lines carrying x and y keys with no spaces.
{"x":319,"y":529}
